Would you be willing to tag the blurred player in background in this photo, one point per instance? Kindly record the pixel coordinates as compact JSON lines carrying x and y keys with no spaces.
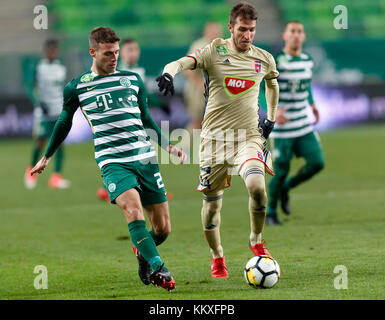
{"x":129,"y":61}
{"x":115,"y":105}
{"x":293,"y":134}
{"x":194,"y":88}
{"x":46,"y":93}
{"x":230,"y":134}
{"x":129,"y":58}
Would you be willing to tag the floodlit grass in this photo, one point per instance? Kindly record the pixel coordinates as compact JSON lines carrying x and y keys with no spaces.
{"x":338,"y":219}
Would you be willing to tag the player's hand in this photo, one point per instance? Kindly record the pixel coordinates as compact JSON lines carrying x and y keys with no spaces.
{"x":166,"y":84}
{"x":40,"y":166}
{"x":178,"y":152}
{"x":267,"y":126}
{"x":316,"y":114}
{"x":280,"y":117}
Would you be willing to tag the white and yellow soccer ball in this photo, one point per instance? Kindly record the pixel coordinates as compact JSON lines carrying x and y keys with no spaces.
{"x":262,"y":272}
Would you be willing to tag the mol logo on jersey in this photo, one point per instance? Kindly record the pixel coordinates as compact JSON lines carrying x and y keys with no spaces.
{"x":237,"y":86}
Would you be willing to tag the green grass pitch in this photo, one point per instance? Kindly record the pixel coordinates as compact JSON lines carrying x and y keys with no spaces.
{"x":338,"y":219}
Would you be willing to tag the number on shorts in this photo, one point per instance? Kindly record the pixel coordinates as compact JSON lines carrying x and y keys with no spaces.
{"x":159,"y":180}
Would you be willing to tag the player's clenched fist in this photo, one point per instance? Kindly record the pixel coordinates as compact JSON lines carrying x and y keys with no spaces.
{"x":166,"y":84}
{"x":267,"y":126}
{"x":40,"y":166}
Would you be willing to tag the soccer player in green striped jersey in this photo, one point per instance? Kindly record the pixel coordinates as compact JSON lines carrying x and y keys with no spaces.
{"x":293,"y":134}
{"x":115,"y":105}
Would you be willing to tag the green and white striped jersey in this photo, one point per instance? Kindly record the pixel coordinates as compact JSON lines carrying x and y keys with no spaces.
{"x":49,"y":81}
{"x":115,"y":106}
{"x":294,"y":94}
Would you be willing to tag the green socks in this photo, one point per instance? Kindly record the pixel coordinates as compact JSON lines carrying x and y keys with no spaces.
{"x":59,"y":159}
{"x":35,"y":156}
{"x":158,"y":238}
{"x":144,"y":242}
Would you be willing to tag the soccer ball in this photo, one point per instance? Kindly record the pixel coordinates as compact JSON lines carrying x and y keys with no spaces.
{"x":262,"y":272}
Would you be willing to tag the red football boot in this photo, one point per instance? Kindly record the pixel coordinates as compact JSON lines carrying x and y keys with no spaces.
{"x":56,"y":181}
{"x":218,"y":268}
{"x":103,"y":194}
{"x":260,"y":250}
{"x":163,"y":278}
{"x":144,"y":270}
{"x":30,"y":181}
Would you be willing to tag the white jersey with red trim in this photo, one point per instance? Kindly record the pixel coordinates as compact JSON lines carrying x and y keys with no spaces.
{"x":232,"y":80}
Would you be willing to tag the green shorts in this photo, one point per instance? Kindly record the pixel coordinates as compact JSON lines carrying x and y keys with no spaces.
{"x":44,"y":128}
{"x":120,"y":177}
{"x":305,"y":146}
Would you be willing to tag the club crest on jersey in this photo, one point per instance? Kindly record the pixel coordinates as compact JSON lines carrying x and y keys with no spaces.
{"x":125,"y":82}
{"x":258,"y":66}
{"x":112,"y":187}
{"x":87,"y":78}
{"x":222,"y":50}
{"x":237,"y":86}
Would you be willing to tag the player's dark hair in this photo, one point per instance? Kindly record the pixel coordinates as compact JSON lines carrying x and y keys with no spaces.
{"x":50,"y":43}
{"x":291,"y":21}
{"x":102,"y":35}
{"x":244,"y":10}
{"x":128,"y":41}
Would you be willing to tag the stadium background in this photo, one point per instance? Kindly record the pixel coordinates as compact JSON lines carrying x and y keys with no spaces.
{"x":348,"y":75}
{"x":348,"y":88}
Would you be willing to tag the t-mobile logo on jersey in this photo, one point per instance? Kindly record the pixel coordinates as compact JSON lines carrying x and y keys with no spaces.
{"x":237,"y":86}
{"x":104,"y":100}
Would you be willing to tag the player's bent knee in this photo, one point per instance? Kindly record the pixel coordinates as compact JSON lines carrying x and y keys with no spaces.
{"x":163,"y":229}
{"x":257,"y":191}
{"x":132,"y":212}
{"x":281,"y":169}
{"x":320,"y":165}
{"x":255,"y":184}
{"x":212,"y":206}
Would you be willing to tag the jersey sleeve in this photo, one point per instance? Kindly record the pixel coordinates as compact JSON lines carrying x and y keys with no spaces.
{"x":64,"y":123}
{"x":262,"y":98}
{"x":272,"y":72}
{"x":147,"y":120}
{"x":309,"y":89}
{"x":202,"y":56}
{"x":310,"y":96}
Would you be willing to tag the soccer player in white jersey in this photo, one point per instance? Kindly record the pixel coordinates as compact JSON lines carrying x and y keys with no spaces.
{"x":293,"y":134}
{"x":115,"y":105}
{"x":46,"y":92}
{"x":231,"y":136}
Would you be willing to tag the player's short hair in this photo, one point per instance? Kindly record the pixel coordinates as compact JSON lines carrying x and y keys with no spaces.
{"x":102,"y":35}
{"x":49,"y":43}
{"x":291,"y":21}
{"x":129,"y":41}
{"x":244,"y":10}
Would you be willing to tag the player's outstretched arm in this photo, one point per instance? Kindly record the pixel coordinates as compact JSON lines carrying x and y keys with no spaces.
{"x":149,"y":123}
{"x":62,"y":127}
{"x":166,"y":80}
